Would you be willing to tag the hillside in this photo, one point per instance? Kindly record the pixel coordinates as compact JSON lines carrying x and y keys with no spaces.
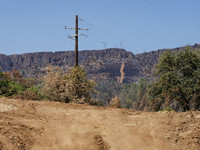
{"x":116,"y":64}
{"x":59,"y":126}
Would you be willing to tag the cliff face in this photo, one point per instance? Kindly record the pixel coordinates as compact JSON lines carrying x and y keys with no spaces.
{"x":5,"y":62}
{"x":117,"y":64}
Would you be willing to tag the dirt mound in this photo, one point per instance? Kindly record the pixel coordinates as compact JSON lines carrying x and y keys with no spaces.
{"x":184,"y":129}
{"x":39,"y":125}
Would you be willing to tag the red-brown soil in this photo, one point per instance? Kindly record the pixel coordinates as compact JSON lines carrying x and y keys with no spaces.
{"x":38,"y":125}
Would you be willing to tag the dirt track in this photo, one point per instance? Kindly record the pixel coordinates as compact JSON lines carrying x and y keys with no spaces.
{"x":58,"y":126}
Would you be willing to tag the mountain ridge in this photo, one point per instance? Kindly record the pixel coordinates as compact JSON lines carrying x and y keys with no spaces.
{"x":100,"y":64}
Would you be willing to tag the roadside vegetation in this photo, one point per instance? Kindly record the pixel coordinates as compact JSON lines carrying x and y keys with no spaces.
{"x":56,"y":85}
{"x":72,"y":86}
{"x":177,"y":83}
{"x":176,"y":86}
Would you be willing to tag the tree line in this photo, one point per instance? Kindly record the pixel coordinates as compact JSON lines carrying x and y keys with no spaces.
{"x":176,"y":86}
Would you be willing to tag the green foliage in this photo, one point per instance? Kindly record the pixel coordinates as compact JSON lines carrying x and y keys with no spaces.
{"x":34,"y":89}
{"x":133,"y":95}
{"x":106,"y":90}
{"x":14,"y":89}
{"x":178,"y":81}
{"x":133,"y":92}
{"x":167,"y":109}
{"x":4,"y":83}
{"x":13,"y":84}
{"x":128,"y":94}
{"x":142,"y":88}
{"x":124,"y":95}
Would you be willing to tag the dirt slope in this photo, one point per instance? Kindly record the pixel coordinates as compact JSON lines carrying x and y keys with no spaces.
{"x":58,"y":126}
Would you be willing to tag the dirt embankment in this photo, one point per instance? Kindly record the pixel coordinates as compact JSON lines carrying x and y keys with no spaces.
{"x":58,"y":126}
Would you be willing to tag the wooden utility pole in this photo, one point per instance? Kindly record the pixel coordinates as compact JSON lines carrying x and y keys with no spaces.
{"x":76,"y":42}
{"x":76,"y":39}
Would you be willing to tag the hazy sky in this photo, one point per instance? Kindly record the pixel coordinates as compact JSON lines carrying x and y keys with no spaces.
{"x":135,"y":25}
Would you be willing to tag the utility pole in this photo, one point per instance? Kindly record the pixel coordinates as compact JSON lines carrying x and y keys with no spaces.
{"x":76,"y":39}
{"x":76,"y":42}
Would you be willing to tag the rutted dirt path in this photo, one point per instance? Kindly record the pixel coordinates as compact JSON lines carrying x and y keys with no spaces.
{"x":58,"y":126}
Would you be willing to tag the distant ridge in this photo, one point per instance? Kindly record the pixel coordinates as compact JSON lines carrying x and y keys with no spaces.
{"x":101,"y":64}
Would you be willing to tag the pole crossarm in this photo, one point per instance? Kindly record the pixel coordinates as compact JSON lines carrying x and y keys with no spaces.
{"x":76,"y":35}
{"x":75,"y":28}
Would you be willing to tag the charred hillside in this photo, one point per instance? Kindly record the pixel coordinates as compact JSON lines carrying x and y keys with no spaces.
{"x":117,"y":64}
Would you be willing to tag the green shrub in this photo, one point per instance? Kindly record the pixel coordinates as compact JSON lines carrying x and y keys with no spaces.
{"x":4,"y":83}
{"x":33,"y":89}
{"x":167,"y":109}
{"x":12,"y":84}
{"x":14,"y":89}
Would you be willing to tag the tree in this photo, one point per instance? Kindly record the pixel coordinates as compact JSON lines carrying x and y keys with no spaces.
{"x":138,"y":95}
{"x":133,"y":91}
{"x":124,"y":95}
{"x":142,"y":88}
{"x":106,"y":90}
{"x":79,"y":87}
{"x":4,"y":83}
{"x":141,"y":103}
{"x":177,"y":82}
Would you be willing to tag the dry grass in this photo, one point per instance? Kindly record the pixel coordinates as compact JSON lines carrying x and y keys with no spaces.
{"x":115,"y":102}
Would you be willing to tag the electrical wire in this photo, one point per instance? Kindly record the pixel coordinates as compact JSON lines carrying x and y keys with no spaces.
{"x":113,"y":34}
{"x":80,"y":42}
{"x":88,"y":45}
{"x":116,"y":21}
{"x":98,"y":41}
{"x":69,"y":41}
{"x":133,"y":12}
{"x":109,"y":7}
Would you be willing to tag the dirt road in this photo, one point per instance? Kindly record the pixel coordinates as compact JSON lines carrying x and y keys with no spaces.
{"x":58,"y":126}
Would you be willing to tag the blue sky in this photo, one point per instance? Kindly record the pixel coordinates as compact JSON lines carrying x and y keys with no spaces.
{"x":135,"y":25}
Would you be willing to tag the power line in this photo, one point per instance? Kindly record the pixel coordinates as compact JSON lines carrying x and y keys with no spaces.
{"x":133,"y":12}
{"x":88,"y":45}
{"x":106,"y":9}
{"x":76,"y":35}
{"x":118,"y":20}
{"x":112,"y":34}
{"x":99,"y":41}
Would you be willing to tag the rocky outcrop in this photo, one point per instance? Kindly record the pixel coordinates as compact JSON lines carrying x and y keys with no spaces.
{"x":100,"y":64}
{"x":5,"y":63}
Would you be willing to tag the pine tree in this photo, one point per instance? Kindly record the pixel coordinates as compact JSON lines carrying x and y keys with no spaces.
{"x":124,"y":95}
{"x":142,"y":88}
